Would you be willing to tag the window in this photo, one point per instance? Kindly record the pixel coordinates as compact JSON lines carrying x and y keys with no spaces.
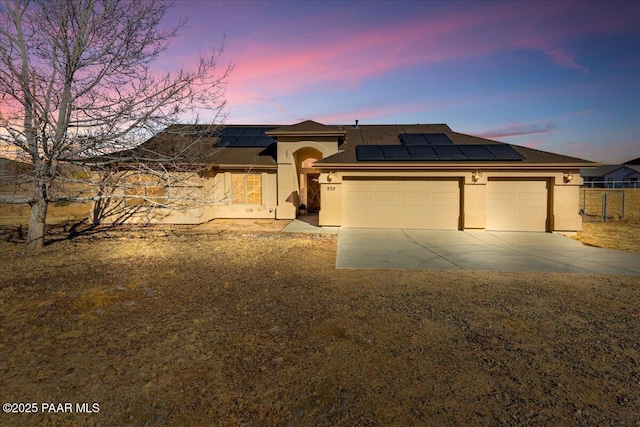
{"x":246,"y":188}
{"x":151,"y":195}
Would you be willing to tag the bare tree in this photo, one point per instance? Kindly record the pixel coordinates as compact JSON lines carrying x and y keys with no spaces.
{"x":76,"y":84}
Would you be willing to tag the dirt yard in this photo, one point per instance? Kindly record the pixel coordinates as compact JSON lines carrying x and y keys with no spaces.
{"x":218,"y":326}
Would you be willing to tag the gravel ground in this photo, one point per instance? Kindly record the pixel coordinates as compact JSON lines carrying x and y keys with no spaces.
{"x":196,"y":327}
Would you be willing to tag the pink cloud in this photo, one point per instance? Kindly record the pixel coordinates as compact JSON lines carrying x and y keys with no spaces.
{"x":375,"y":113}
{"x":342,"y":58}
{"x":559,"y":56}
{"x":350,"y":58}
{"x":518,"y":129}
{"x":332,"y":52}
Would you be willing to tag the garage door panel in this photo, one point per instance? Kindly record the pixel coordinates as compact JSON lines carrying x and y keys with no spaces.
{"x":361,"y":196}
{"x":445,"y":199}
{"x":421,"y":204}
{"x":387,"y":211}
{"x":385,"y":195}
{"x":517,"y":205}
{"x":418,"y":196}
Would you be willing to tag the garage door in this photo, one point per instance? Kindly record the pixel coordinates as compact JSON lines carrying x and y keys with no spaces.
{"x":422,"y":204}
{"x":517,"y":205}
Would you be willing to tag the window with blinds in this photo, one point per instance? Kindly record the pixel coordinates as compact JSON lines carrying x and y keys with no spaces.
{"x":246,"y":188}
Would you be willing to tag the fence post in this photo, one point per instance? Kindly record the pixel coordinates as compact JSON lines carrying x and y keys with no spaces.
{"x":623,"y":194}
{"x":604,"y":207}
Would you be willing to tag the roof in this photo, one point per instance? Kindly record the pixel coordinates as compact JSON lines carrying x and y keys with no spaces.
{"x":633,"y":162}
{"x":255,"y":145}
{"x":602,"y":171}
{"x":307,"y":127}
{"x":204,"y":145}
{"x":389,"y":135}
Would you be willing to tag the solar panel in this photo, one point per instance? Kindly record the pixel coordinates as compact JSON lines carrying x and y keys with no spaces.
{"x":425,"y":139}
{"x":239,"y":136}
{"x":369,"y":152}
{"x":413,"y":139}
{"x":448,"y":152}
{"x":503,"y":152}
{"x":395,"y":152}
{"x":438,"y":139}
{"x":422,"y":152}
{"x":476,"y":152}
{"x":253,"y":131}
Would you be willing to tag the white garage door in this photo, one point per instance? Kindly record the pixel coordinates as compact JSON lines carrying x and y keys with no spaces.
{"x":422,"y":204}
{"x":517,"y":205}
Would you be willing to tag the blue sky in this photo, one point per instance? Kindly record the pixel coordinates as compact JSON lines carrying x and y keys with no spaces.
{"x":558,"y":76}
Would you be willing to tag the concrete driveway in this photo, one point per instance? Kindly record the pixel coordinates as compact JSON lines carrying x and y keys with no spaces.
{"x":477,"y":250}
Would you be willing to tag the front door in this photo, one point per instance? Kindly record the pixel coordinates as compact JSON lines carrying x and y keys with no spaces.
{"x":313,"y":192}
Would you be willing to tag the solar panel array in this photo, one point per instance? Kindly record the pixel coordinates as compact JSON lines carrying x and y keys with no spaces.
{"x":475,"y":152}
{"x":249,"y":136}
{"x":425,"y":139}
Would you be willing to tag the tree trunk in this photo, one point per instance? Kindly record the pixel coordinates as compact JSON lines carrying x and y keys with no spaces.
{"x":35,"y":237}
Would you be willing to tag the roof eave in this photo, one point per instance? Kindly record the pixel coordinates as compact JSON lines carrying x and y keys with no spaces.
{"x":307,"y":133}
{"x":448,"y":166}
{"x":244,"y":166}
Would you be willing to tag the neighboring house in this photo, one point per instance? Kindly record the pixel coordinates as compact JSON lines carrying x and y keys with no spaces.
{"x":625,"y":175}
{"x":378,"y":176}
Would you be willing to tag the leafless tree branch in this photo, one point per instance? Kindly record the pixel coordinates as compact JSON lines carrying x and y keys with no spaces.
{"x":77,"y":85}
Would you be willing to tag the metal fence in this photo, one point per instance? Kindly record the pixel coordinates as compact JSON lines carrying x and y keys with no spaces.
{"x":604,"y":204}
{"x":611,"y":184}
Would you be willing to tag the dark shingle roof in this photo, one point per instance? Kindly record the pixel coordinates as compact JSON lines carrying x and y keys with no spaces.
{"x":197,"y":144}
{"x":599,"y":171}
{"x":633,"y":162}
{"x":306,"y":127}
{"x":388,"y":135}
{"x":602,"y":171}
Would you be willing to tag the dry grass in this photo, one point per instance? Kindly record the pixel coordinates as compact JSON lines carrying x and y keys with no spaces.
{"x":14,"y":215}
{"x":186,"y":326}
{"x":615,"y":233}
{"x":623,"y":235}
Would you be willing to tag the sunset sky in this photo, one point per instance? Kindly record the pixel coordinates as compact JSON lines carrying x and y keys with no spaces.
{"x":554,"y":75}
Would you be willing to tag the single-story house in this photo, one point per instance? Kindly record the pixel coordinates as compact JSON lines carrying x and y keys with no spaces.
{"x":420,"y":176}
{"x":625,"y":175}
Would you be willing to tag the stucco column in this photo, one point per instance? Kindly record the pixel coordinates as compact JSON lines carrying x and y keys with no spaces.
{"x":475,"y":204}
{"x":288,"y":191}
{"x":566,"y":205}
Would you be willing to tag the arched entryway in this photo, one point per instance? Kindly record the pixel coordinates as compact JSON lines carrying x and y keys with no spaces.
{"x":308,"y":180}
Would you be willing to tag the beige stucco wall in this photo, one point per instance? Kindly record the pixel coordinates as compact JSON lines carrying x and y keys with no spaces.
{"x":202,"y":198}
{"x":281,"y":191}
{"x":189,"y":201}
{"x":475,"y":204}
{"x":566,"y":205}
{"x":225,"y":209}
{"x":291,"y":152}
{"x":331,"y":201}
{"x":563,"y":197}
